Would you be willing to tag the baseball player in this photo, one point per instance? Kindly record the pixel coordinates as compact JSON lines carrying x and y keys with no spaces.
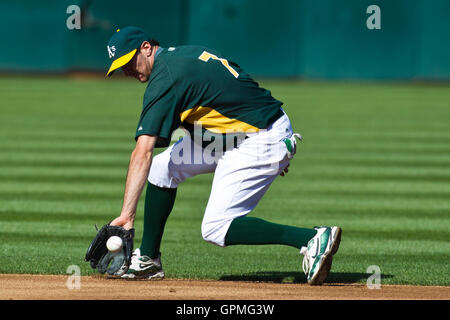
{"x":235,"y":129}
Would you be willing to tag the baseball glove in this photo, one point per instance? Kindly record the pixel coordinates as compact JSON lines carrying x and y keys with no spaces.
{"x":114,"y":263}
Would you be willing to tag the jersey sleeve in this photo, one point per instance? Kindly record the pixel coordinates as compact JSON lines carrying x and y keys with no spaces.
{"x":160,"y":115}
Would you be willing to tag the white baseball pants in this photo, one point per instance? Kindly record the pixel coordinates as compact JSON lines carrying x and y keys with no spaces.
{"x":241,"y":175}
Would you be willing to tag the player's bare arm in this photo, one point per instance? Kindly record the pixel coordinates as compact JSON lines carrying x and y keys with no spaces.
{"x":138,"y":169}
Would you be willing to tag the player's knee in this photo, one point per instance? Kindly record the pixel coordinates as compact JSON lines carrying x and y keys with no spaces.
{"x":215,"y":231}
{"x":160,"y":174}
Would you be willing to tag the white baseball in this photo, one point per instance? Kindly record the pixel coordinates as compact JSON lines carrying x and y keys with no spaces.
{"x":114,"y":243}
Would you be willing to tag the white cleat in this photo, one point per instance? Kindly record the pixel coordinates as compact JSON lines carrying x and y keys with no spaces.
{"x":318,"y":255}
{"x":144,"y":267}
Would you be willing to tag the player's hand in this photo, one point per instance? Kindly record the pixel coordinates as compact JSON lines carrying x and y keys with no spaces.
{"x":285,"y":170}
{"x":123,"y":221}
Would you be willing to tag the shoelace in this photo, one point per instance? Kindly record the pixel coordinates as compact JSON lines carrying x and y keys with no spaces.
{"x":305,"y":263}
{"x":298,"y":136}
{"x":135,"y":256}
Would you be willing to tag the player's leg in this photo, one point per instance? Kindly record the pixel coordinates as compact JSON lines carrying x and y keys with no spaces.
{"x":158,"y":206}
{"x":170,"y":168}
{"x":240,"y":181}
{"x":242,"y":177}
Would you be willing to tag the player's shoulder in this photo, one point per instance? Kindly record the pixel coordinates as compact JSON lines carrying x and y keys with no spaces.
{"x":172,"y":65}
{"x":185,"y":54}
{"x":181,"y":61}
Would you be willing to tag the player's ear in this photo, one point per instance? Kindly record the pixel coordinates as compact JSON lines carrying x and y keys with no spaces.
{"x":146,"y":48}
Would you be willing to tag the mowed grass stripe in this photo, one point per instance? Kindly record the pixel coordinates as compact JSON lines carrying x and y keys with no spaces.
{"x":396,"y":227}
{"x":14,"y":152}
{"x":304,"y":157}
{"x":47,"y":213}
{"x":109,"y":162}
{"x":391,"y":174}
{"x":315,"y":142}
{"x":37,"y":134}
{"x":60,"y":196}
{"x":310,"y":213}
{"x":95,"y":196}
{"x":70,"y":147}
{"x":64,"y":236}
{"x":385,"y":162}
{"x":94,"y":159}
{"x":401,"y":235}
{"x":44,"y":216}
{"x":379,"y":228}
{"x":420,"y":238}
{"x":314,"y":205}
{"x":315,"y":173}
{"x":383,"y":188}
{"x":57,"y":179}
{"x":106,"y":163}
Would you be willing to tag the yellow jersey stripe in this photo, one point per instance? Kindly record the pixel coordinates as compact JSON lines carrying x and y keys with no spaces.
{"x":214,"y":121}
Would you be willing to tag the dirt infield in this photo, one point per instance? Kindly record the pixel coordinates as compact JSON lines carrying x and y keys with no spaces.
{"x":47,"y":287}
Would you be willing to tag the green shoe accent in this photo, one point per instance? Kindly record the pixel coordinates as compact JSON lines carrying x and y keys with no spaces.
{"x":288,"y":143}
{"x":324,"y":239}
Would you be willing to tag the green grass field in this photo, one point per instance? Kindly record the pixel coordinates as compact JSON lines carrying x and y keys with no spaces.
{"x":375,"y":161}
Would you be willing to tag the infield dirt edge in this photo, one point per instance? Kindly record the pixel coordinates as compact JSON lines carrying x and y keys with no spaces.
{"x":63,"y":287}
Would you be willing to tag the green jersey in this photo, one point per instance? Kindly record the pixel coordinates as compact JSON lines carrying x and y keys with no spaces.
{"x":195,"y":85}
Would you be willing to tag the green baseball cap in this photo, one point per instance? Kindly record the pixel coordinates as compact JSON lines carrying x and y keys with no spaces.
{"x":123,"y":46}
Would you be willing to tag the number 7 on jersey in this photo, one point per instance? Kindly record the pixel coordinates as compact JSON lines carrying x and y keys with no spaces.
{"x":205,"y":56}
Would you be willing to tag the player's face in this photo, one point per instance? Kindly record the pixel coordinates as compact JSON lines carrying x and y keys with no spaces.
{"x":138,"y":67}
